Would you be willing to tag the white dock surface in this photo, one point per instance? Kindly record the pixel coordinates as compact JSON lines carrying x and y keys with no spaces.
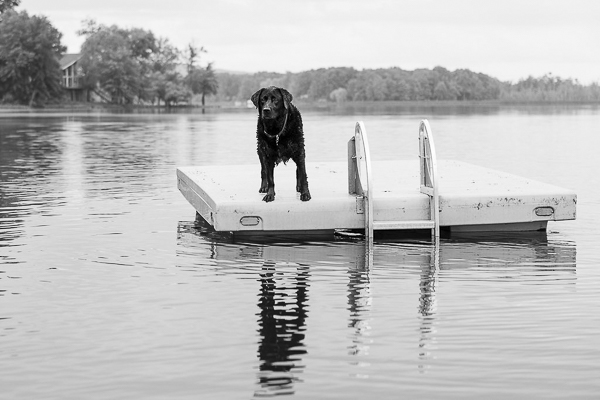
{"x":471,"y":197}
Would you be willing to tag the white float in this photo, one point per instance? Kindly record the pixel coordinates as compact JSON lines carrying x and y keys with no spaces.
{"x":424,"y":193}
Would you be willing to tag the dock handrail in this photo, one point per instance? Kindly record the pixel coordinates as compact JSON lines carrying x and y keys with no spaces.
{"x":360,"y":181}
{"x":364,"y":173}
{"x":429,"y":174}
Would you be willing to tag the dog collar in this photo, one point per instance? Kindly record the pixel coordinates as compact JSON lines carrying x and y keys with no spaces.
{"x":276,"y":137}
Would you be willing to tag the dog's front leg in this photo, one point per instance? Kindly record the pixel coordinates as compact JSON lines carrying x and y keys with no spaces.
{"x":302,"y":179}
{"x":264,"y":185}
{"x":270,"y":169}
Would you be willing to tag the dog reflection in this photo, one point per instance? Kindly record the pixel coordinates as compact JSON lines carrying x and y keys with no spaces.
{"x":282,"y":302}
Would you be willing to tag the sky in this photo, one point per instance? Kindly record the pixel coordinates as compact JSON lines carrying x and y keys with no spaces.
{"x":507,"y":39}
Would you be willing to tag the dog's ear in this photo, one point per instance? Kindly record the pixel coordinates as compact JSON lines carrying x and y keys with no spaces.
{"x":256,"y":98}
{"x":287,"y":97}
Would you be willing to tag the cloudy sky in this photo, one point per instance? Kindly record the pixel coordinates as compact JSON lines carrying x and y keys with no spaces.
{"x":508,"y":39}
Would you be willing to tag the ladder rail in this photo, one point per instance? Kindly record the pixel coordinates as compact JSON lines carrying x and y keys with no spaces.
{"x":360,"y":181}
{"x":429,"y":174}
{"x":364,"y":172}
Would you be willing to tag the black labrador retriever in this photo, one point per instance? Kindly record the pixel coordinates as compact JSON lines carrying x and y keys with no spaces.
{"x":280,"y":136}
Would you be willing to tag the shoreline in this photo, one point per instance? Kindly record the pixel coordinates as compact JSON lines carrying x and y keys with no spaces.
{"x":228,"y":106}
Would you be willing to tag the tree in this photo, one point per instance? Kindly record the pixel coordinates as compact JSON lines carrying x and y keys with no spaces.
{"x":300,"y":84}
{"x":396,"y":82}
{"x":368,"y":85}
{"x":30,"y":48}
{"x":193,"y":55}
{"x":203,"y":81}
{"x":339,"y":95}
{"x":200,"y":80}
{"x":168,"y":86}
{"x":320,"y":86}
{"x":107,"y":62}
{"x":442,"y":92}
{"x":165,"y":57}
{"x":164,"y":82}
{"x":119,"y":61}
{"x":89,"y":27}
{"x":6,"y":5}
{"x":229,"y":86}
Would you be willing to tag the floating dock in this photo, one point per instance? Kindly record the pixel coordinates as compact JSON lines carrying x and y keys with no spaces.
{"x":469,"y":198}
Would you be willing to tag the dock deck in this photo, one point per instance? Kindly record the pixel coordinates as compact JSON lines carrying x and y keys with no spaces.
{"x":471,"y":198}
{"x":387,"y":195}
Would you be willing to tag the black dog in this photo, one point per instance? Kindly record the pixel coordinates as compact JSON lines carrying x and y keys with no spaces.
{"x":280,"y":137}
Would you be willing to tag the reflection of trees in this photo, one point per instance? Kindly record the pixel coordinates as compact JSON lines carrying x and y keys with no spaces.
{"x":282,"y":303}
{"x":29,"y":158}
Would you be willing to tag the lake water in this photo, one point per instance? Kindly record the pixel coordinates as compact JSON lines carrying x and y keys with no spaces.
{"x":109,"y":291}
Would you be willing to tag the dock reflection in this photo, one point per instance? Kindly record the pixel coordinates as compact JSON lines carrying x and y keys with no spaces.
{"x":428,"y":305}
{"x":359,"y":304}
{"x":285,"y":270}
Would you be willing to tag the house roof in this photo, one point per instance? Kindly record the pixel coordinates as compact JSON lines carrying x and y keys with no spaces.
{"x":69,"y":59}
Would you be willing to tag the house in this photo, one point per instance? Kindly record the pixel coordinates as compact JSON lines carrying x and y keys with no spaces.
{"x":70,"y":71}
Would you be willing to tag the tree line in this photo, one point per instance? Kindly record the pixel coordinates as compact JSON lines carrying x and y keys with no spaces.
{"x":395,"y":84}
{"x":133,"y":66}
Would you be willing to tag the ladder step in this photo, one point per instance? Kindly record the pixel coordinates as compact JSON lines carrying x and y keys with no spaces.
{"x":392,"y":225}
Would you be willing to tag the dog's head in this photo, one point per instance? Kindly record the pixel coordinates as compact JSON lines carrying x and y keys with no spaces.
{"x":272,"y":102}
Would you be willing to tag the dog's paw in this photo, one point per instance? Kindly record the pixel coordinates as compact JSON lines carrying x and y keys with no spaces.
{"x":305,"y":196}
{"x":264,"y":186}
{"x":269,"y":197}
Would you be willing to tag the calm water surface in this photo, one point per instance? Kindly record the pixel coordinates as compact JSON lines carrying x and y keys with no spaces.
{"x":108,"y":290}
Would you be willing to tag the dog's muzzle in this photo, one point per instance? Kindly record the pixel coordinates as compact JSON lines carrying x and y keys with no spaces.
{"x":267,"y":113}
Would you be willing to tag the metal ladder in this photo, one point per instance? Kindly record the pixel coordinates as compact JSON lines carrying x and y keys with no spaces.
{"x":360,"y":182}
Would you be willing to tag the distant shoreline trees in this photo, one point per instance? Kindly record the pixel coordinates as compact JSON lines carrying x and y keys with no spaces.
{"x":394,"y":84}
